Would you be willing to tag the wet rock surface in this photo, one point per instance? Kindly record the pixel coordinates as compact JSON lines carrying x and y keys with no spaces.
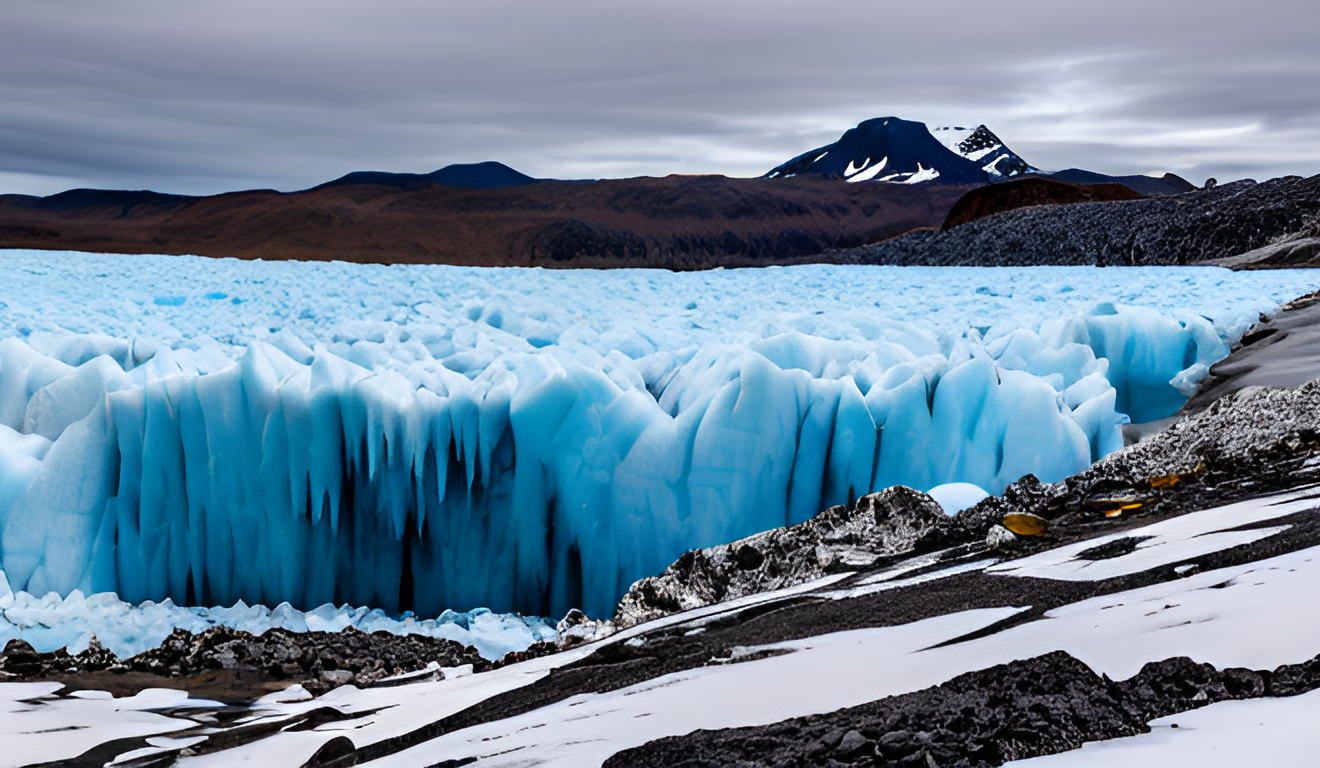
{"x":1280,"y":351}
{"x":1201,"y":226}
{"x":318,"y":661}
{"x":1038,"y":706}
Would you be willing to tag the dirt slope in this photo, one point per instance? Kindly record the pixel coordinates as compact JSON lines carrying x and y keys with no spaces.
{"x":678,"y":222}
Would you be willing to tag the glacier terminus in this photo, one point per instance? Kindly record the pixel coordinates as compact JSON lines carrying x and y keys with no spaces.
{"x":423,"y":438}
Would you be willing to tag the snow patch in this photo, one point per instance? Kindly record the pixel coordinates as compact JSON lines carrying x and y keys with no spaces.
{"x":870,"y":173}
{"x":955,"y":497}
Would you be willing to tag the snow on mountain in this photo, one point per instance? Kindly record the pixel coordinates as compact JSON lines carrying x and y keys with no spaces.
{"x":428,"y":437}
{"x":907,"y":152}
{"x":886,"y":149}
{"x":904,"y":151}
{"x":980,"y":145}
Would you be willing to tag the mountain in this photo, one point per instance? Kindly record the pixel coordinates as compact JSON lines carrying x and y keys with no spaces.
{"x":885,"y":149}
{"x":487,"y":175}
{"x":907,"y":152}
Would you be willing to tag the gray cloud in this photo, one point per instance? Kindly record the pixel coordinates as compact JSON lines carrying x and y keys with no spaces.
{"x":206,"y":97}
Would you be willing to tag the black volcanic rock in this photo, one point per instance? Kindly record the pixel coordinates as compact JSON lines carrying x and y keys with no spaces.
{"x":1199,"y":226}
{"x":905,"y":148}
{"x":1030,"y":191}
{"x":319,"y":661}
{"x":895,"y":521}
{"x":1039,"y":706}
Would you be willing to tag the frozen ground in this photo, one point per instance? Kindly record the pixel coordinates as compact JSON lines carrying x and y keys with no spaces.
{"x":1214,"y":616}
{"x":430,"y":438}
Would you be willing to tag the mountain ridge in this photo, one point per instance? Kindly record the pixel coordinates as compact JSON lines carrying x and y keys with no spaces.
{"x":890,"y":149}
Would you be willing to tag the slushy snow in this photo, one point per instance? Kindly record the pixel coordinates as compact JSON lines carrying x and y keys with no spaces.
{"x":429,"y":437}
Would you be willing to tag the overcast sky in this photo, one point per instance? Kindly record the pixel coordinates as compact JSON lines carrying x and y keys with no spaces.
{"x":204,"y":97}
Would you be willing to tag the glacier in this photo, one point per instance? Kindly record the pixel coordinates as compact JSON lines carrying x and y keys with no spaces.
{"x":424,"y":438}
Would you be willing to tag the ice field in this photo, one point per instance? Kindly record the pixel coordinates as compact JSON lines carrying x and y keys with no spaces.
{"x":427,"y":438}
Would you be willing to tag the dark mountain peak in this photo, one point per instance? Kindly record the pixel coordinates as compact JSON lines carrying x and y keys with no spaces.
{"x":885,"y":149}
{"x":487,"y":175}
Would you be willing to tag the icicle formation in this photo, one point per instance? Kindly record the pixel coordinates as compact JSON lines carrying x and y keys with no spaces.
{"x":549,"y":479}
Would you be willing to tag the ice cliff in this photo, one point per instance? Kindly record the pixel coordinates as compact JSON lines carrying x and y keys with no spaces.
{"x":486,"y":458}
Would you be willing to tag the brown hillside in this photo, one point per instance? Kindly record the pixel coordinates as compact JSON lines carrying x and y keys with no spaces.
{"x":1022,"y":193}
{"x":677,"y":222}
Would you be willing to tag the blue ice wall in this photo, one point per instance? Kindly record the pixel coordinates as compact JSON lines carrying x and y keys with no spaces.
{"x":525,"y":479}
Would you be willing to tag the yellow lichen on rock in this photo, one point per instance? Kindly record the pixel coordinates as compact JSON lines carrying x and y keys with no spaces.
{"x":1120,"y":510}
{"x":1025,"y":524}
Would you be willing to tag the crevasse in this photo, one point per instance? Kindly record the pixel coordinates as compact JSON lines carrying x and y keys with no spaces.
{"x":541,"y":480}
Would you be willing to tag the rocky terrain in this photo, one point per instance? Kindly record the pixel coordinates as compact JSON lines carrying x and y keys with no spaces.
{"x":1032,"y":707}
{"x":676,"y":222}
{"x":1248,"y":441}
{"x":1027,"y":192}
{"x":318,"y":661}
{"x":1210,"y":226}
{"x":896,"y":521}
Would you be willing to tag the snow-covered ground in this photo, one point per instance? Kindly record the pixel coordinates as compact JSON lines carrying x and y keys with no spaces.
{"x":1278,"y":733}
{"x":1215,"y":617}
{"x":530,"y":440}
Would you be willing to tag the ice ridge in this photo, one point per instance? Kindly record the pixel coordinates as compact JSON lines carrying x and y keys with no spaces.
{"x":540,"y":484}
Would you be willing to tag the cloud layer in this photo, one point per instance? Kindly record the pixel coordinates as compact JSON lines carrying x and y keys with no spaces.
{"x":208,"y":97}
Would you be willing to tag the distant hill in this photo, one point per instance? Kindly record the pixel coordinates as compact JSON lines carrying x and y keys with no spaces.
{"x":1168,"y":184}
{"x":882,"y":179}
{"x":487,"y":175}
{"x":676,"y":222}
